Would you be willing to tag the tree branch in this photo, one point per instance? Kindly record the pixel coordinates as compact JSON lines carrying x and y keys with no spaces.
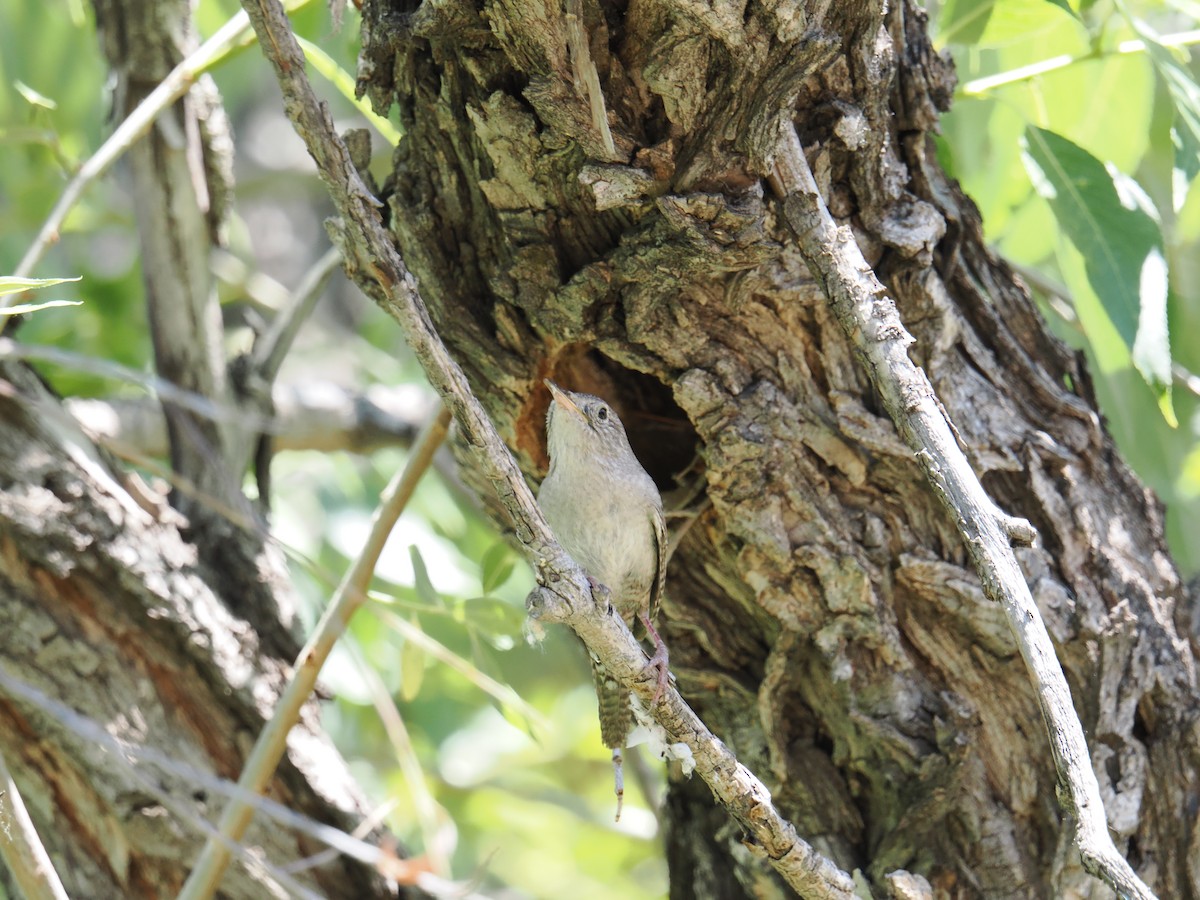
{"x":272,"y":741}
{"x":373,"y":262}
{"x":312,"y":416}
{"x":181,"y":170}
{"x":21,"y":848}
{"x":271,"y":348}
{"x":873,"y":326}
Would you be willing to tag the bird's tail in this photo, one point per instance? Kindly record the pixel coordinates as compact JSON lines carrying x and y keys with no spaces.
{"x":616,"y":717}
{"x":616,"y":721}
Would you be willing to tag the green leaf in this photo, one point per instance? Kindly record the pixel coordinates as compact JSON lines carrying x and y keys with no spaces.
{"x":412,"y":667}
{"x":424,"y":587}
{"x":963,"y":21}
{"x":1185,"y":97}
{"x":494,"y":618}
{"x":12,"y":285}
{"x":1188,"y":484}
{"x":1114,"y":226}
{"x":33,"y":97}
{"x":1065,"y":7}
{"x":345,"y":85}
{"x":1017,"y":22}
{"x":517,"y":714}
{"x":21,"y":308}
{"x":497,"y":564}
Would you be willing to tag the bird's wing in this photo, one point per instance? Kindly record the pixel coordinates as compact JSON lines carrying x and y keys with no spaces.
{"x":658,"y":524}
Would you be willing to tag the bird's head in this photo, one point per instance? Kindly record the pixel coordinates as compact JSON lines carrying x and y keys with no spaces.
{"x":583,"y":425}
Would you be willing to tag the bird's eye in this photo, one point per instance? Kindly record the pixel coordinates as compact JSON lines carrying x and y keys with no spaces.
{"x":602,"y":414}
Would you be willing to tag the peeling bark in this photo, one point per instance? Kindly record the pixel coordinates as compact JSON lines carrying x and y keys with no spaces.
{"x":823,"y":616}
{"x":108,"y":610}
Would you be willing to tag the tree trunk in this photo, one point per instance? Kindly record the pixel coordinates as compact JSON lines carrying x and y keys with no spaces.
{"x":575,"y":193}
{"x":143,"y":648}
{"x":146,"y":685}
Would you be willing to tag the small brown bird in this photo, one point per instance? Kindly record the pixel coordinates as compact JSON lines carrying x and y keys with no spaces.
{"x":607,"y":513}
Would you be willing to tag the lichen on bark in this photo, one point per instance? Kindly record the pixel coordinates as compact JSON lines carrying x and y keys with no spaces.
{"x":823,"y":615}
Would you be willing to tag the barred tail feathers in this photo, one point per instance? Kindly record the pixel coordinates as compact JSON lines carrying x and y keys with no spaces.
{"x":616,"y":717}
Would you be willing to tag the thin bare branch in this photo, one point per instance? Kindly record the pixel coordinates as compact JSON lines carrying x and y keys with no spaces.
{"x":430,"y":813}
{"x":132,"y":756}
{"x":104,"y":368}
{"x":134,"y":127}
{"x":315,"y":415}
{"x":373,"y":262}
{"x":270,"y":350}
{"x":20,"y":847}
{"x":870,"y":320}
{"x":272,"y":741}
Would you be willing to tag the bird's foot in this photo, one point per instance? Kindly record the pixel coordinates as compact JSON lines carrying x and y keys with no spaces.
{"x":658,"y":661}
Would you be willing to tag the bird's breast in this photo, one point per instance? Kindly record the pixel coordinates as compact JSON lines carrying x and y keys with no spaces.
{"x":608,"y":535}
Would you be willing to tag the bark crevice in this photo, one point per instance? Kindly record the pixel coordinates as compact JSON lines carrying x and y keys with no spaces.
{"x":914,"y":739}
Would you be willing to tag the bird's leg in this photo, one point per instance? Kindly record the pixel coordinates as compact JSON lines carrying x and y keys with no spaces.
{"x":657,"y":661}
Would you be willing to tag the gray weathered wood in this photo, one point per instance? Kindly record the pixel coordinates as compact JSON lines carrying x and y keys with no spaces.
{"x":823,"y":615}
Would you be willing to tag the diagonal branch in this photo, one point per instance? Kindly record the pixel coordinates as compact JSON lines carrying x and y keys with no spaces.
{"x":268,"y":749}
{"x":373,"y":262}
{"x":311,"y":415}
{"x":20,"y":847}
{"x":870,"y":320}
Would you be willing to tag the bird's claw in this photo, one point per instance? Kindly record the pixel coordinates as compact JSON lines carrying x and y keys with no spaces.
{"x":658,"y":661}
{"x":663,"y":677}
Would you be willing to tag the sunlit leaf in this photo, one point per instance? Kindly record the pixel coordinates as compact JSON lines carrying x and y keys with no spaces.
{"x":33,"y":97}
{"x":496,"y":566}
{"x":1016,"y":21}
{"x":22,"y":308}
{"x":343,"y":81}
{"x":516,"y":714}
{"x":494,"y":618}
{"x":1114,"y":226}
{"x":12,"y":285}
{"x":1065,"y":7}
{"x":412,"y":667}
{"x":1189,"y":475}
{"x":963,"y":21}
{"x":424,"y":587}
{"x":1185,"y":97}
{"x":516,"y":717}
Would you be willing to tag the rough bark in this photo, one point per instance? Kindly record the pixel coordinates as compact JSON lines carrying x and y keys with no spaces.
{"x":822,"y":613}
{"x":108,"y":610}
{"x":143,"y":648}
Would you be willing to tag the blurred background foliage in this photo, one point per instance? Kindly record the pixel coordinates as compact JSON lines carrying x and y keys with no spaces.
{"x":1076,"y":130}
{"x":482,"y":750}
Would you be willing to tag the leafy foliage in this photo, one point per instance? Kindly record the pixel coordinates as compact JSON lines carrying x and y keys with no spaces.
{"x":488,"y":747}
{"x":1079,"y":148}
{"x":1075,"y":132}
{"x":1115,"y":228}
{"x":12,"y":285}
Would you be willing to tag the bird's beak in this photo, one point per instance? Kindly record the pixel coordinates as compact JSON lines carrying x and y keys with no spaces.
{"x":561,"y":398}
